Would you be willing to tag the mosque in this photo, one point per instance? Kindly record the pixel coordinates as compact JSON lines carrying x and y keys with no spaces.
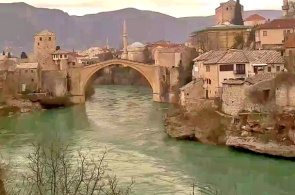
{"x":135,"y":51}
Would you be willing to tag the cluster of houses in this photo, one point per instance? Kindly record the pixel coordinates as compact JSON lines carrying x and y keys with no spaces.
{"x":247,"y":79}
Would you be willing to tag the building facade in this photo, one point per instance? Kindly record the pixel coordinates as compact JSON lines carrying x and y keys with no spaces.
{"x":215,"y":67}
{"x":254,"y":20}
{"x":272,"y":34}
{"x":29,"y":77}
{"x":225,"y":13}
{"x":44,"y":46}
{"x":220,"y":37}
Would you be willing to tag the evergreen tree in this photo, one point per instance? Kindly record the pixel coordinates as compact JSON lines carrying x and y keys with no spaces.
{"x":23,"y":55}
{"x":238,"y":18}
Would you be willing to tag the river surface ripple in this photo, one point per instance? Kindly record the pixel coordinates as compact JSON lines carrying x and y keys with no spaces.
{"x":126,"y":121}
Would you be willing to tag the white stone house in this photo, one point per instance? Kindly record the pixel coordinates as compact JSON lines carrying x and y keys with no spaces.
{"x":214,"y":67}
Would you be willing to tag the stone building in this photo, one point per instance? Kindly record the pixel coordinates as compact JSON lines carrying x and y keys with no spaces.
{"x":8,"y":77}
{"x":44,"y":46}
{"x":225,"y":13}
{"x":262,"y":93}
{"x":29,"y":77}
{"x":271,"y":35}
{"x":138,"y":52}
{"x":219,"y":37}
{"x":256,"y":93}
{"x":214,"y":67}
{"x":60,"y":58}
{"x":175,"y":61}
{"x":254,"y":20}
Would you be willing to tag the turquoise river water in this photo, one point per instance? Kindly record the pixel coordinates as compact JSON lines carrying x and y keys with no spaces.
{"x":127,"y":121}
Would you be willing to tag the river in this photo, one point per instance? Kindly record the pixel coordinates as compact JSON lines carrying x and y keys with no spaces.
{"x":127,"y":122}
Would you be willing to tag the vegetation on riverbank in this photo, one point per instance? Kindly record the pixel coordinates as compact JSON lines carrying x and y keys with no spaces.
{"x":272,"y":134}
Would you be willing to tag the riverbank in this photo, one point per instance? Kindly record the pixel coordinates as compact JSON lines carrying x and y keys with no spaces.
{"x":264,"y":134}
{"x":12,"y":106}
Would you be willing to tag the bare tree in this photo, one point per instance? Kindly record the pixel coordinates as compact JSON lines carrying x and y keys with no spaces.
{"x":56,"y":170}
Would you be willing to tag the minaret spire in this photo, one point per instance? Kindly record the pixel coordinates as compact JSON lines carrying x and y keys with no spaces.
{"x":107,"y":44}
{"x":125,"y":52}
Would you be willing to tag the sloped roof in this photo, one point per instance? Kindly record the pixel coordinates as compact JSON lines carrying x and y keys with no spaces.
{"x":233,"y":82}
{"x":264,"y":56}
{"x":255,"y":17}
{"x":27,"y":66}
{"x":232,"y":57}
{"x":215,"y":57}
{"x":223,"y":27}
{"x":44,"y":33}
{"x":2,"y":57}
{"x":61,"y":52}
{"x":241,"y":56}
{"x":260,"y":77}
{"x":278,"y":24}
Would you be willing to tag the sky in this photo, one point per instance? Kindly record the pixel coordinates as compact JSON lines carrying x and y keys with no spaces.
{"x":176,"y":8}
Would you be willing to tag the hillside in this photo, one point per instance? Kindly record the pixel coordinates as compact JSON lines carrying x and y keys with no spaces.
{"x":20,"y":21}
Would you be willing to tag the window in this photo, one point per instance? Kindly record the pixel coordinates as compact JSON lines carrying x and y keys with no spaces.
{"x":38,"y":44}
{"x":74,"y":63}
{"x":229,"y":67}
{"x":66,"y":56}
{"x":49,"y":38}
{"x":227,"y":8}
{"x":60,"y":56}
{"x":209,"y":81}
{"x":207,"y":68}
{"x":241,"y":69}
{"x":266,"y":95}
{"x":32,"y":80}
{"x":26,"y":71}
{"x":32,"y":71}
{"x":264,"y":33}
{"x":269,"y":69}
{"x":40,"y":38}
{"x":278,"y":68}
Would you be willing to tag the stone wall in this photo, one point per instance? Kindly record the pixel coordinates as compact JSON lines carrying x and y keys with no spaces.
{"x":30,"y":78}
{"x":191,"y":97}
{"x":285,"y":95}
{"x":55,"y":82}
{"x":232,"y":98}
{"x":244,"y":97}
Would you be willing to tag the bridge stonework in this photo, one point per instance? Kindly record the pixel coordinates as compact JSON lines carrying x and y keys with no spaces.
{"x":80,"y":77}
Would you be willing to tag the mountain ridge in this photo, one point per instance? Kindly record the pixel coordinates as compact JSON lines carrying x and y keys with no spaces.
{"x":21,"y":21}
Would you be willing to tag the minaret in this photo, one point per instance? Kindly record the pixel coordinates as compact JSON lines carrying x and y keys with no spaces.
{"x":107,"y":44}
{"x":285,"y":7}
{"x":125,"y":52}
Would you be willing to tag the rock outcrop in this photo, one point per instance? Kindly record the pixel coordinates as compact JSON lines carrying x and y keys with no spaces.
{"x":256,"y":145}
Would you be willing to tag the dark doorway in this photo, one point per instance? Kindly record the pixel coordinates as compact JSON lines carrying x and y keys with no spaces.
{"x":207,"y":94}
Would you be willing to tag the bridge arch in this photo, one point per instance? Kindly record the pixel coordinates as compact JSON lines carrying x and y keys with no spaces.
{"x":89,"y":71}
{"x":150,"y":72}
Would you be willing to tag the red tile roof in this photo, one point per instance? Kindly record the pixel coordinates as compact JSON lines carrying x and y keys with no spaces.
{"x":278,"y":24}
{"x":255,"y":17}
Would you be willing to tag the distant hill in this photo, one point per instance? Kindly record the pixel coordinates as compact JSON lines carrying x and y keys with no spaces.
{"x":19,"y":22}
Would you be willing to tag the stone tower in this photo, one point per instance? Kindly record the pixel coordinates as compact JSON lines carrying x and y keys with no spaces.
{"x":125,"y":52}
{"x":44,"y":46}
{"x":285,"y":7}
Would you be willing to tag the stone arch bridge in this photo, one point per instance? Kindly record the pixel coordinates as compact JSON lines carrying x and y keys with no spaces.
{"x":80,"y":76}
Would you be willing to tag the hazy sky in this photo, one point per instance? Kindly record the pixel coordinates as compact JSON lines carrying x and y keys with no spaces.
{"x":177,"y":8}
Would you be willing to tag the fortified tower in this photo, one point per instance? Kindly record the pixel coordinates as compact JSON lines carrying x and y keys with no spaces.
{"x":44,"y":46}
